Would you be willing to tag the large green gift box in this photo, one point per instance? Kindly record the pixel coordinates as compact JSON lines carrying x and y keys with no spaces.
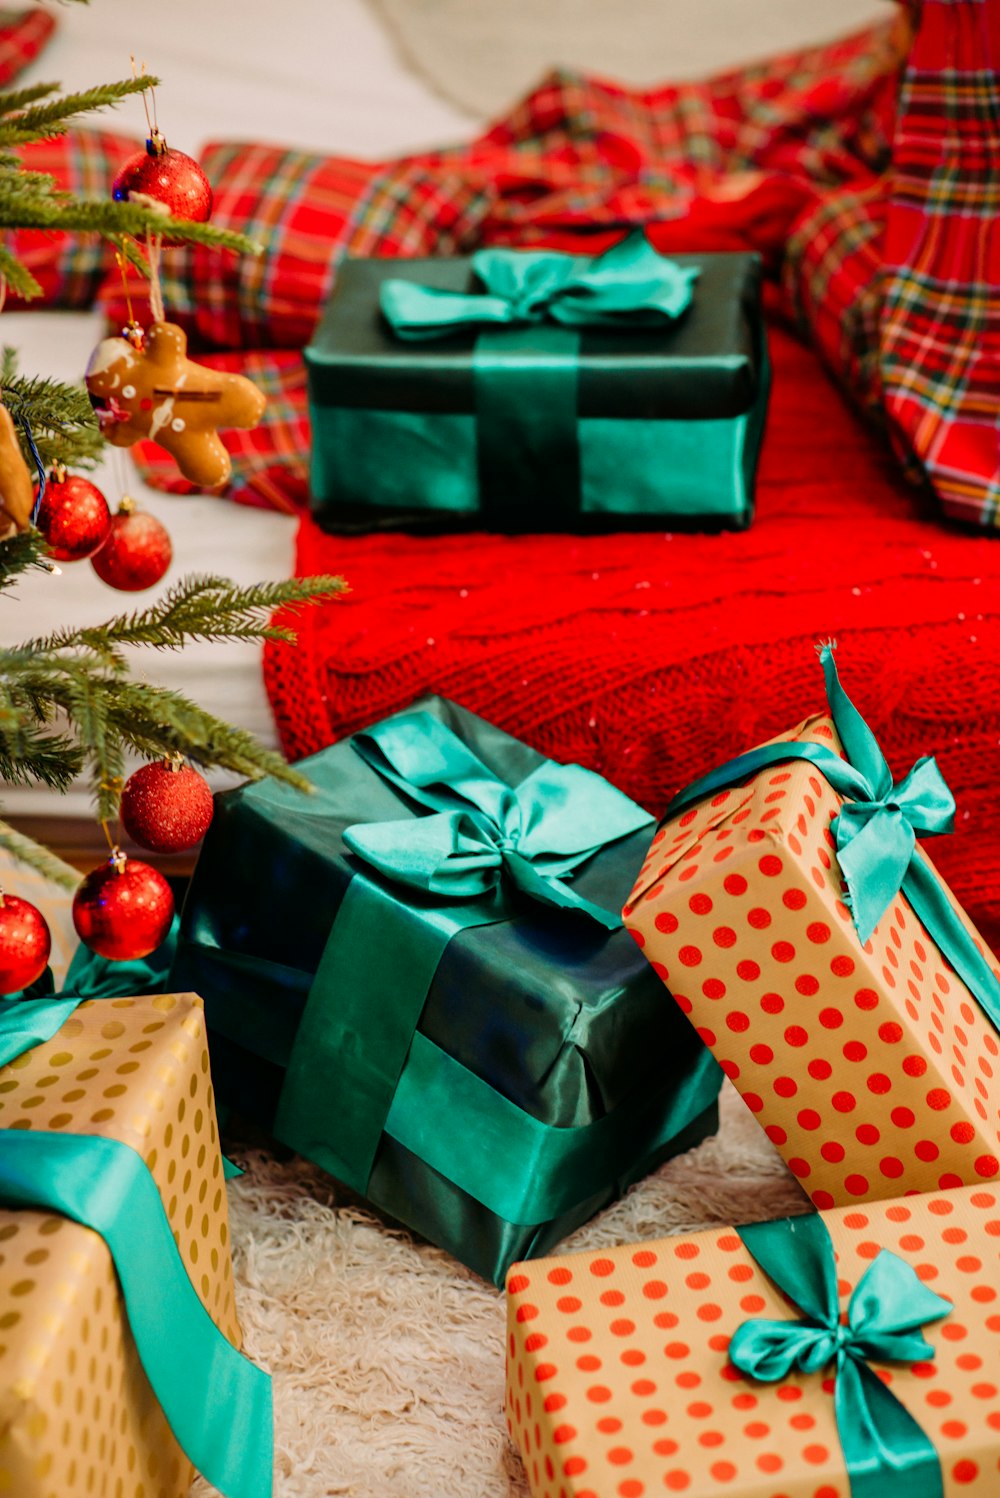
{"x":532,"y":391}
{"x":417,"y":977}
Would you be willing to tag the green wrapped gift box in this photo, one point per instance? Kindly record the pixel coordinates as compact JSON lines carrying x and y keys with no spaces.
{"x":417,"y":977}
{"x":531,"y":391}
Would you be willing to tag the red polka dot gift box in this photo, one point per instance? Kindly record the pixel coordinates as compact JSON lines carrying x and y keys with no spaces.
{"x":869,"y":1056}
{"x":78,"y":1414}
{"x":748,"y":1361}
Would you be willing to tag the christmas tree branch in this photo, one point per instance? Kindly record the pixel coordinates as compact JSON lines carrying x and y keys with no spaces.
{"x":37,"y":857}
{"x":35,"y":121}
{"x":14,"y":99}
{"x":17,"y":276}
{"x":30,"y":208}
{"x":111,"y":712}
{"x":156,"y":722}
{"x":61,"y":417}
{"x":196,"y":608}
{"x":21,"y":551}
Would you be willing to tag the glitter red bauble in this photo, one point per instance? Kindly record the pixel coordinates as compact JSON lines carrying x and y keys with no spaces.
{"x":123,"y":910}
{"x":136,"y":554}
{"x":166,"y":809}
{"x":73,"y":517}
{"x":25,"y":944}
{"x":171,"y":177}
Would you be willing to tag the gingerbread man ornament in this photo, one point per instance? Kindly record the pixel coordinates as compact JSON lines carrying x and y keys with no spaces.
{"x":156,"y":391}
{"x":17,"y":493}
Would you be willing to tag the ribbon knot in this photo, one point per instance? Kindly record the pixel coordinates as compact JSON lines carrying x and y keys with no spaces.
{"x":885,"y":1450}
{"x":630,"y":285}
{"x":876,"y":829}
{"x":479,"y":828}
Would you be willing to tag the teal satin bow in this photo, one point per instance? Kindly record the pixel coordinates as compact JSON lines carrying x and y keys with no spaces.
{"x":217,"y":1404}
{"x":875,"y":831}
{"x":630,"y":285}
{"x":885,"y":1450}
{"x":537,"y":834}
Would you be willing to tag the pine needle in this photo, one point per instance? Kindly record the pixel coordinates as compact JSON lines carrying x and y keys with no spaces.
{"x":37,"y":857}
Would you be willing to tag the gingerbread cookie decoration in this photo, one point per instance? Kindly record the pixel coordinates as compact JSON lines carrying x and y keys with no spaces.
{"x":156,"y":391}
{"x":17,"y":491}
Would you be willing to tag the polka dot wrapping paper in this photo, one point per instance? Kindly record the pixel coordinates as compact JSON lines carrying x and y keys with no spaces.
{"x":871,"y":1067}
{"x":77,"y":1414}
{"x":618,"y":1383}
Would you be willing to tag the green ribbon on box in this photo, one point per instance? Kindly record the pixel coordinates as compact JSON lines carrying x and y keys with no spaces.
{"x":886,"y":1453}
{"x":526,"y":357}
{"x":875,"y":831}
{"x":216,"y":1402}
{"x":455,"y":867}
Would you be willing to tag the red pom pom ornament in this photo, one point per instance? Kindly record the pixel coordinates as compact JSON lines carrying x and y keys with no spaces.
{"x":166,"y":806}
{"x":73,"y":517}
{"x":136,"y":554}
{"x":168,"y":177}
{"x":25,"y":944}
{"x":123,"y":909}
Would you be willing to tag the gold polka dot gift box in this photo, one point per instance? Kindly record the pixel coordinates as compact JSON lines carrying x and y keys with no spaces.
{"x":794,"y":917}
{"x":848,"y":1354}
{"x":78,"y":1414}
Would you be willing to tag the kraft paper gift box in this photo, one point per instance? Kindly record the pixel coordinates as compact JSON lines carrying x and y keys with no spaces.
{"x":460,"y":413}
{"x":871,"y":1057}
{"x":628,"y":1376}
{"x":392,"y":990}
{"x":78,"y":1414}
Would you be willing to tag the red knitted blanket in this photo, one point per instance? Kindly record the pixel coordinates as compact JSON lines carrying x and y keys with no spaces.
{"x":650,"y":658}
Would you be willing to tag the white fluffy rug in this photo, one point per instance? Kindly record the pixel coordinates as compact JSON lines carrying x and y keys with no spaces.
{"x":388,"y":1356}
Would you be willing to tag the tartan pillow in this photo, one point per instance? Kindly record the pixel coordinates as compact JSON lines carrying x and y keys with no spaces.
{"x":309,"y":212}
{"x":70,"y":267}
{"x":833,"y":281}
{"x":23,"y":34}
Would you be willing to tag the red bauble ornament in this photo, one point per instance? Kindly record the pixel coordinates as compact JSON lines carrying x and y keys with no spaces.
{"x":173,"y":179}
{"x":73,"y":517}
{"x":25,"y":944}
{"x":166,"y":807}
{"x":137,"y":552}
{"x":123,"y":909}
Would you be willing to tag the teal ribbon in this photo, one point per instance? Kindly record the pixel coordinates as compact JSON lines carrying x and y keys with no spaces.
{"x":886,"y":1453}
{"x":875,"y":831}
{"x":216,"y":1402}
{"x":481,"y":830}
{"x":526,"y":360}
{"x":629,"y":286}
{"x":455,"y":866}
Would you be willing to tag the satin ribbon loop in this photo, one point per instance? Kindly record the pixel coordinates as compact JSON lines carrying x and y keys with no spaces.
{"x":885,"y":1450}
{"x":481,"y":829}
{"x":876,"y":831}
{"x":630,"y":285}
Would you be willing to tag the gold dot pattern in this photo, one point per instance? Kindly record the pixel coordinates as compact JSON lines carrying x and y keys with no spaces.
{"x":618,"y":1383}
{"x":872,"y":1069}
{"x":78,"y":1416}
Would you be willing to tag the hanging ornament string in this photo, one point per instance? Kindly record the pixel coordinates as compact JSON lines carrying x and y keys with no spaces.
{"x":132,"y":331}
{"x":154,"y":245}
{"x":21,"y":417}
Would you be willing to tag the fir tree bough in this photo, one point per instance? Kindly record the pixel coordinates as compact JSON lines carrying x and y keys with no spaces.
{"x":69,"y":703}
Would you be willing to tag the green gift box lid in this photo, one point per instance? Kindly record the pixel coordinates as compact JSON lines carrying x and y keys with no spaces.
{"x":542,"y":1036}
{"x":639,"y":427}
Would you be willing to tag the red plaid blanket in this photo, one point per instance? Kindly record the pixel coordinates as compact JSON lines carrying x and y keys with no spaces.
{"x":876,"y":204}
{"x":899,"y":282}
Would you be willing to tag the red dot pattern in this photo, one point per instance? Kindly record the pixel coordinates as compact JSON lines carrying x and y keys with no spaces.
{"x":692,"y":1423}
{"x":820,"y":1035}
